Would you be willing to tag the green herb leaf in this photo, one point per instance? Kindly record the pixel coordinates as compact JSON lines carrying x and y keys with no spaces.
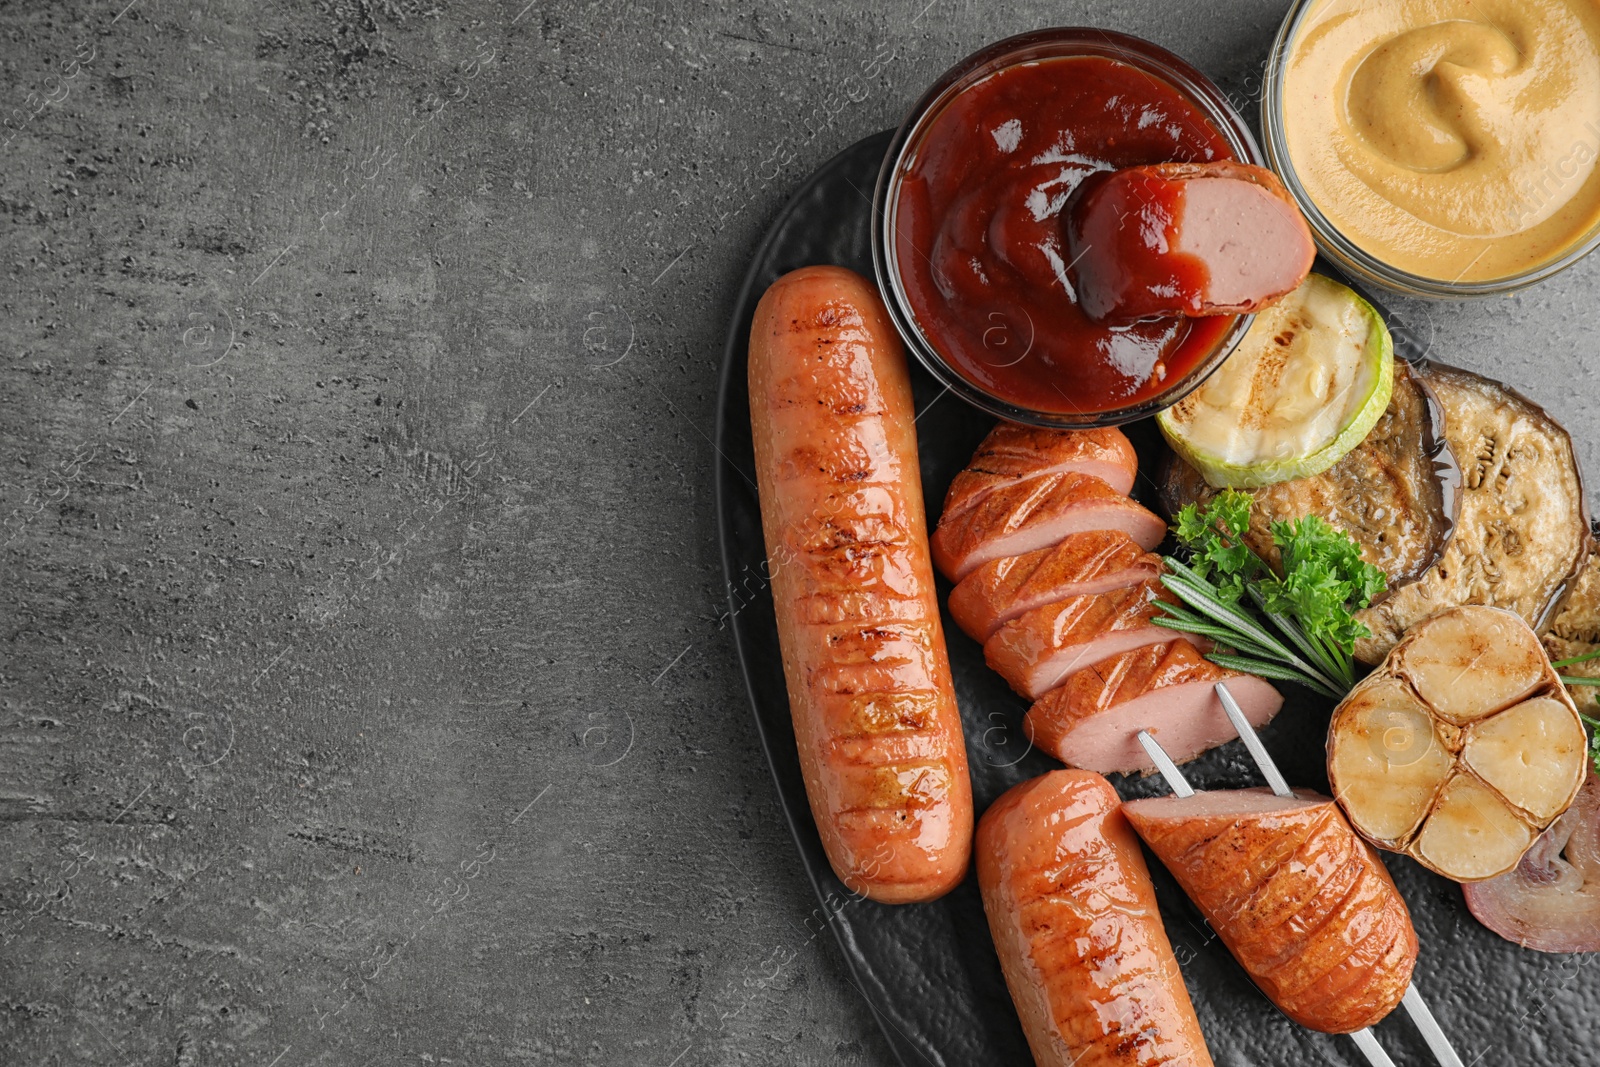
{"x":1311,"y":603}
{"x":1214,"y":539}
{"x":1324,"y":579}
{"x":1573,"y":660}
{"x":1594,"y":740}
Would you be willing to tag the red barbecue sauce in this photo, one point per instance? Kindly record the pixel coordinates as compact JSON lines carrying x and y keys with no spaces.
{"x":978,"y":232}
{"x":1119,"y":241}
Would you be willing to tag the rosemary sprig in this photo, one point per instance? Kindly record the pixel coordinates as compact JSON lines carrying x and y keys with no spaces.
{"x":1306,"y":630}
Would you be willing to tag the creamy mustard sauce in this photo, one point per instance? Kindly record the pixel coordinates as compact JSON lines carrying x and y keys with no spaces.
{"x":1454,"y":139}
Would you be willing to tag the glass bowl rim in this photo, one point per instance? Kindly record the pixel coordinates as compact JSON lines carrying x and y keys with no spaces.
{"x":1037,"y":45}
{"x":1332,"y":242}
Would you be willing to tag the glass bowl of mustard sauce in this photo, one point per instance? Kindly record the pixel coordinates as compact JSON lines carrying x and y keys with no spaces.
{"x":1441,"y":148}
{"x":967,"y":239}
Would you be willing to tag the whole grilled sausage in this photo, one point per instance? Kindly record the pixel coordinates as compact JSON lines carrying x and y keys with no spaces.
{"x":874,"y":710}
{"x":1074,"y":920}
{"x":1303,"y":904}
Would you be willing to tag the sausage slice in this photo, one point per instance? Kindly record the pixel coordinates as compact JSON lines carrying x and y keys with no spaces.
{"x":1013,"y":452}
{"x":1093,"y":719}
{"x":1095,"y":561}
{"x":1185,"y":239}
{"x":1038,"y":650}
{"x":1035,"y":513}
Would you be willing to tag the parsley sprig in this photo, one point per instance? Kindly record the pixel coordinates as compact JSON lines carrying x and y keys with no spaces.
{"x":1306,"y":630}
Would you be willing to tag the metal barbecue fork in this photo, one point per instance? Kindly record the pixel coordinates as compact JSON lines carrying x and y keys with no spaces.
{"x":1415,"y":1006}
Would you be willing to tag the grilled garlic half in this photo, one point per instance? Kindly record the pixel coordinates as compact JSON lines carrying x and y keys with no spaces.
{"x":1461,"y":747}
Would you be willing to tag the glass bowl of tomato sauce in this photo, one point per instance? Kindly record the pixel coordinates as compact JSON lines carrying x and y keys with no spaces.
{"x":967,"y":234}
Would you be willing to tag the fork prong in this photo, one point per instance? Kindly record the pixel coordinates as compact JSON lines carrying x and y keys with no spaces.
{"x":1175,"y":780}
{"x":1368,"y":1044}
{"x":1258,"y":751}
{"x":1432,"y":1032}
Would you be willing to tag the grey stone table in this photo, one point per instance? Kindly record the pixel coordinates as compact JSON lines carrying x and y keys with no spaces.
{"x":364,"y":697}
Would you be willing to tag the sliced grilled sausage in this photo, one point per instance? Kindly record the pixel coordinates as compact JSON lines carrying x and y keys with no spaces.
{"x":1304,"y":904}
{"x":1074,"y":919}
{"x":870,"y":693}
{"x":1013,"y":452}
{"x":1036,"y":651}
{"x":1034,"y":513}
{"x":1095,"y":561}
{"x":1093,"y":719}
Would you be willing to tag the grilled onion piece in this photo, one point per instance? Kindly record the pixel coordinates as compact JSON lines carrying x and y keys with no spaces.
{"x":1461,"y":748}
{"x":1551,"y":901}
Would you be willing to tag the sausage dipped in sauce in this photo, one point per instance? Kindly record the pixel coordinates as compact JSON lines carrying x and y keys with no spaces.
{"x":1184,"y":239}
{"x":870,"y":692}
{"x":1074,"y":919}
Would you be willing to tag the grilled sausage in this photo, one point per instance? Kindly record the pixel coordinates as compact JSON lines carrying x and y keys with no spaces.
{"x":1185,"y":239}
{"x":1092,"y":720}
{"x":1033,"y":513}
{"x":1042,"y":648}
{"x":1095,"y":561}
{"x":1303,"y":903}
{"x":870,"y":692}
{"x":1013,"y":453}
{"x":1074,"y":920}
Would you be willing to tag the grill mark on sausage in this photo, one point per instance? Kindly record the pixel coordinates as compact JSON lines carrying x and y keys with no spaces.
{"x":1305,"y":976}
{"x":890,"y":748}
{"x":1316,"y":849}
{"x":885,"y":713}
{"x":834,"y":607}
{"x":1326,"y":836}
{"x":1334,"y":998}
{"x":1306,"y":924}
{"x":1007,"y":509}
{"x":840,"y":406}
{"x":1014,"y":450}
{"x":862,"y":653}
{"x":1269,"y":855}
{"x":883,"y":788}
{"x":856,"y":642}
{"x":1064,"y":934}
{"x":869,"y":568}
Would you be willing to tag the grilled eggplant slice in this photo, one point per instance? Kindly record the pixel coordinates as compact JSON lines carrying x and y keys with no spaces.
{"x":1395,"y":493}
{"x":1574,"y":630}
{"x":1523,"y":530}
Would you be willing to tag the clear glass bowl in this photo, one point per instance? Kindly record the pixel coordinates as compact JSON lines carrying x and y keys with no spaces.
{"x":1356,"y":261}
{"x":1013,"y":51}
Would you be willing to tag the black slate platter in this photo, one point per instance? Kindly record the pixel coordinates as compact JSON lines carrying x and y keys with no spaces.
{"x":929,"y":971}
